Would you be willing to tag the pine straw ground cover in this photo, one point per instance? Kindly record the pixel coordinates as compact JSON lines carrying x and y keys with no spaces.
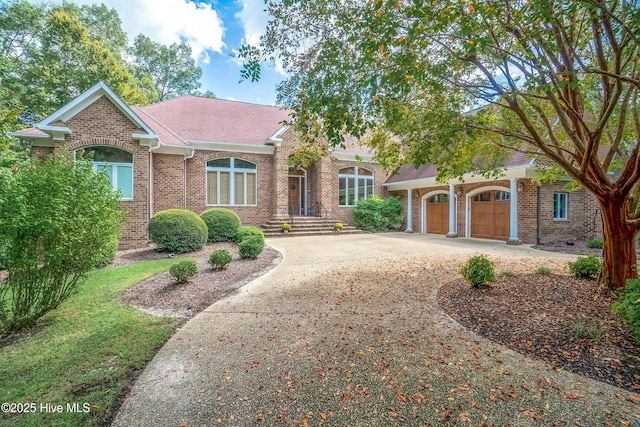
{"x":537,"y":315}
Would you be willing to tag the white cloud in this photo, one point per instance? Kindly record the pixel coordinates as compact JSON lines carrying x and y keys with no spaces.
{"x":171,"y":21}
{"x":253,"y":18}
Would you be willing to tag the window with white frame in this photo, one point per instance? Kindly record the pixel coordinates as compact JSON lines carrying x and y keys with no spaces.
{"x":232,"y":182}
{"x":560,"y":205}
{"x":116,"y":163}
{"x":354,"y":183}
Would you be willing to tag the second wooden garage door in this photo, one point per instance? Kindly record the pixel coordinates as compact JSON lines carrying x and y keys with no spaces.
{"x":490,"y":215}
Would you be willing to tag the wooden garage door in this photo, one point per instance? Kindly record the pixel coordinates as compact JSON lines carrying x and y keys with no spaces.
{"x":490,"y":215}
{"x":438,"y":214}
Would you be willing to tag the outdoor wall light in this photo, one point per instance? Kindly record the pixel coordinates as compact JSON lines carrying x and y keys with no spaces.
{"x":520,"y":186}
{"x":459,"y":191}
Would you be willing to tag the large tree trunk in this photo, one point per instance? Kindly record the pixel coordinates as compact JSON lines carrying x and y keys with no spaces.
{"x":619,"y":253}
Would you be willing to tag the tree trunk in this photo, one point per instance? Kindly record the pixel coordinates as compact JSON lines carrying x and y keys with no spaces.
{"x":619,"y":252}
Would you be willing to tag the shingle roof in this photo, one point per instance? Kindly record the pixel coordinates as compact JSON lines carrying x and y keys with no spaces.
{"x":410,"y":172}
{"x":215,"y":120}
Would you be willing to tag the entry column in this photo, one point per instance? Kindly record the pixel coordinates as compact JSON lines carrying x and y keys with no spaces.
{"x":409,"y":211}
{"x":513,"y":214}
{"x":452,"y":212}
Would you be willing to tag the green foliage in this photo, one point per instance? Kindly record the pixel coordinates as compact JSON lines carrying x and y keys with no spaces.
{"x":108,"y":252}
{"x":629,"y":306}
{"x":222,"y":224}
{"x":285,"y":227}
{"x":595,"y":243}
{"x":220,"y":259}
{"x":590,"y":330}
{"x":509,"y":273}
{"x":50,"y":238}
{"x":177,"y":231}
{"x":92,"y":345}
{"x":478,"y":271}
{"x":586,"y":267}
{"x":172,"y":68}
{"x":184,"y":270}
{"x":378,"y":214}
{"x":250,"y":241}
{"x":544,"y":271}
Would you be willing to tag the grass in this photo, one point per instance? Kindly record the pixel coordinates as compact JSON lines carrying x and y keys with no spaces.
{"x":544,"y":271}
{"x":590,"y":330}
{"x":84,"y":352}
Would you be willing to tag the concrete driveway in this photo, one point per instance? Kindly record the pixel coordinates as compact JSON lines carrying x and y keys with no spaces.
{"x":346,"y":331}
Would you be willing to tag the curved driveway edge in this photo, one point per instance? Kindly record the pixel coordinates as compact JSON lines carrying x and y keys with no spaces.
{"x":346,"y":331}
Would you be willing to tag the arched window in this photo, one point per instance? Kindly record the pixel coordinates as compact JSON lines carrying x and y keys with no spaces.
{"x":116,"y":163}
{"x":232,"y":182}
{"x":354,"y":183}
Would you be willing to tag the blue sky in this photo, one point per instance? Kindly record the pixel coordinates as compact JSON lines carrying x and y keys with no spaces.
{"x":214,"y":29}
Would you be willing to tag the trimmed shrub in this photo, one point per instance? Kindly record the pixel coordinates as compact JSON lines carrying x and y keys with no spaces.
{"x":478,"y":271}
{"x":586,"y":267}
{"x":377,"y":214}
{"x":184,"y":270}
{"x":250,"y":241}
{"x":177,"y":231}
{"x":219,"y":259}
{"x":595,"y":243}
{"x":629,"y":306}
{"x":222,"y":224}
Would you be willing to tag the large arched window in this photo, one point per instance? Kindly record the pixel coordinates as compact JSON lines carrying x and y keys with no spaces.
{"x":354,"y":183}
{"x":116,"y":163}
{"x":232,"y":182}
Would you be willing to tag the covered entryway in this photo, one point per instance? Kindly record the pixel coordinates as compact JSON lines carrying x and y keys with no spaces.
{"x":298,"y":190}
{"x":437,"y":214}
{"x":490,"y":214}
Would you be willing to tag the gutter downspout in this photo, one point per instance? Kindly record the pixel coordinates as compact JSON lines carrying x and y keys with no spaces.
{"x":538,"y":230}
{"x":184,"y":179}
{"x":150,"y":195}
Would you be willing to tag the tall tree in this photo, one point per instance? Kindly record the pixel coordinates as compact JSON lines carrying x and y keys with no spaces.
{"x":557,"y":79}
{"x":171,"y":68}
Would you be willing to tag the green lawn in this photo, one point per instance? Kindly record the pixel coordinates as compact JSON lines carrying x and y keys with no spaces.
{"x":84,"y":352}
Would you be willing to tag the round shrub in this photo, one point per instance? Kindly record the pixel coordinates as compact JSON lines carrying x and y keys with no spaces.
{"x":478,"y":271}
{"x":250,"y":241}
{"x":219,"y":259}
{"x":221,"y":223}
{"x":177,"y":231}
{"x":184,"y":270}
{"x":586,"y":267}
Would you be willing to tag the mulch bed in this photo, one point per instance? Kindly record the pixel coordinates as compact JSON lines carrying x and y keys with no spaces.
{"x":536,"y":315}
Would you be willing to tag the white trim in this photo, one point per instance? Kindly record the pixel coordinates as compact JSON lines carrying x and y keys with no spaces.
{"x":232,"y":147}
{"x":469,"y":195}
{"x":423,"y":204}
{"x":367,"y":158}
{"x":566,"y":206}
{"x":300,"y":190}
{"x":83,"y":101}
{"x":275,"y":138}
{"x":469,"y":178}
{"x":356,"y":176}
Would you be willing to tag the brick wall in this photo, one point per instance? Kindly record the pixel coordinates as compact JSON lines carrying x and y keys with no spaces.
{"x":168,"y":182}
{"x":196,"y":185}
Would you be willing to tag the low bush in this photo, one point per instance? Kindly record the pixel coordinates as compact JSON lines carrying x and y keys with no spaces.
{"x":108,"y":252}
{"x":222,"y":224}
{"x":590,"y":330}
{"x":586,"y":267}
{"x":250,"y":241}
{"x":543,"y":271}
{"x":478,"y":271}
{"x":184,"y":270}
{"x":377,"y":214}
{"x":629,"y":306}
{"x":507,"y":273}
{"x":177,"y":231}
{"x":220,"y":259}
{"x":595,"y":243}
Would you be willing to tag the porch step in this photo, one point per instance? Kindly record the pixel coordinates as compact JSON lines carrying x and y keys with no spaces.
{"x":306,"y":226}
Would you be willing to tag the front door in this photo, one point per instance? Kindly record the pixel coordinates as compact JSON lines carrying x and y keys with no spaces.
{"x":298,"y":193}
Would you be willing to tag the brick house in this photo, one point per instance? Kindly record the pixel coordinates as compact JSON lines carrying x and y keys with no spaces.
{"x":197,"y":153}
{"x":513,"y":208}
